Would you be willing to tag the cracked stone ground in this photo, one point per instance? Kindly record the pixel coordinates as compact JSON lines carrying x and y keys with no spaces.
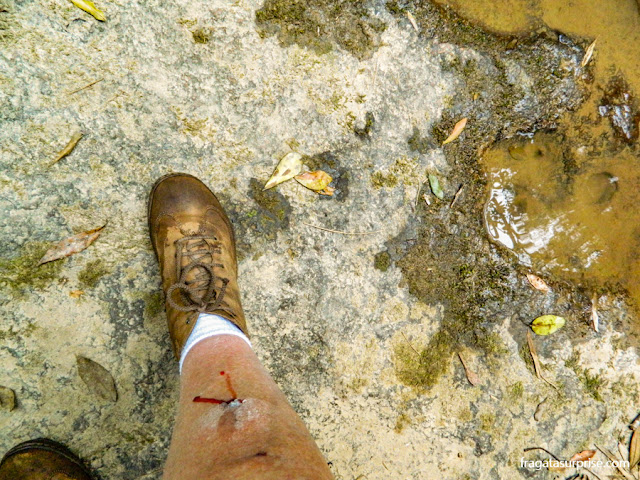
{"x":360,"y":331}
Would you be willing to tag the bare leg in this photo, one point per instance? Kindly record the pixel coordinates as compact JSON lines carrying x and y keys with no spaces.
{"x":260,"y":438}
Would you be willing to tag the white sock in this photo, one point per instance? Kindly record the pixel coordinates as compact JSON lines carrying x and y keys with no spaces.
{"x":207,"y":326}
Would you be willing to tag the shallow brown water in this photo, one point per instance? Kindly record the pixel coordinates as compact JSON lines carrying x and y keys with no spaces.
{"x":565,"y":213}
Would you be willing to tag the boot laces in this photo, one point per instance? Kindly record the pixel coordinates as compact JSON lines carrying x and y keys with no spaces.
{"x":199,"y":293}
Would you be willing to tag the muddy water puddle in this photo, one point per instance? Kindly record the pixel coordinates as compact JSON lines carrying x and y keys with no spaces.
{"x":565,"y":213}
{"x":566,"y":202}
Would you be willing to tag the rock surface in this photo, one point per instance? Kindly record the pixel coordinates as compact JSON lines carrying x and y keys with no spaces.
{"x":212,"y":89}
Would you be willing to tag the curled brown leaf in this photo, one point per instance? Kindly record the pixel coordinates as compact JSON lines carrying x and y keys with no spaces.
{"x":71,"y":245}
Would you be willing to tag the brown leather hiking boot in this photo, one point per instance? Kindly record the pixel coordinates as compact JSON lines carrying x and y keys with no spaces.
{"x":195,"y":246}
{"x":42,"y":459}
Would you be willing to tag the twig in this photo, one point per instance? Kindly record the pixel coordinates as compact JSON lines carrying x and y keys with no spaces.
{"x":536,"y":361}
{"x":339,"y":231}
{"x":455,"y":197}
{"x":86,"y":86}
{"x":405,"y":337}
{"x":614,"y":460}
{"x":544,"y":450}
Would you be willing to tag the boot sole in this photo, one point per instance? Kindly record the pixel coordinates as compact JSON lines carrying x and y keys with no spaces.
{"x":49,"y":446}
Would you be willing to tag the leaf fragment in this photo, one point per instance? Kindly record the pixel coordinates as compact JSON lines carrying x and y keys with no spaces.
{"x":68,"y":148}
{"x":90,"y":8}
{"x":595,"y":318}
{"x":328,"y":191}
{"x":71,"y":245}
{"x":634,"y":450}
{"x":537,"y":283}
{"x":534,"y":355}
{"x":97,"y":378}
{"x":316,"y":181}
{"x":547,"y":324}
{"x":7,"y":398}
{"x":588,"y":54}
{"x":583,"y":456}
{"x":457,"y":130}
{"x":413,"y":22}
{"x":288,"y":167}
{"x":76,"y":293}
{"x":470,"y":374}
{"x":434,"y":184}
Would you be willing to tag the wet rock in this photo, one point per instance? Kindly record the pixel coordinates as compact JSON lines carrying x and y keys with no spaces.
{"x":621,"y":108}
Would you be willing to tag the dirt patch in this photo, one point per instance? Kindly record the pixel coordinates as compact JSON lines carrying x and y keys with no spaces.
{"x":320,"y":24}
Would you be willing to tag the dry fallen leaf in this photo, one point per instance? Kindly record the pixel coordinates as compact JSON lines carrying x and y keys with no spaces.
{"x":537,"y":283}
{"x":634,"y":450}
{"x":90,"y":8}
{"x":588,"y":54}
{"x":7,"y":398}
{"x":547,"y":324}
{"x":534,"y":355}
{"x":71,"y":245}
{"x":316,"y":181}
{"x":76,"y":293}
{"x":68,"y":148}
{"x":97,"y":378}
{"x":471,"y":376}
{"x":583,"y":456}
{"x":457,"y":130}
{"x":289,"y":167}
{"x":536,"y":360}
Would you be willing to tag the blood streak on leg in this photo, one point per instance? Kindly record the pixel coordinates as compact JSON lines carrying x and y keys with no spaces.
{"x":200,"y":399}
{"x":229,"y":386}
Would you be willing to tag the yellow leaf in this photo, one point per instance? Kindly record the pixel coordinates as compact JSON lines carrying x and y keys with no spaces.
{"x":547,"y":324}
{"x":317,"y":181}
{"x":289,"y":167}
{"x":457,"y":130}
{"x":89,"y":7}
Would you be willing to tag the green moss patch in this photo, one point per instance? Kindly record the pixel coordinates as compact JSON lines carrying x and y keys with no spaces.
{"x":92,"y":273}
{"x":382,"y":261}
{"x":21,"y":272}
{"x":272,"y":213}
